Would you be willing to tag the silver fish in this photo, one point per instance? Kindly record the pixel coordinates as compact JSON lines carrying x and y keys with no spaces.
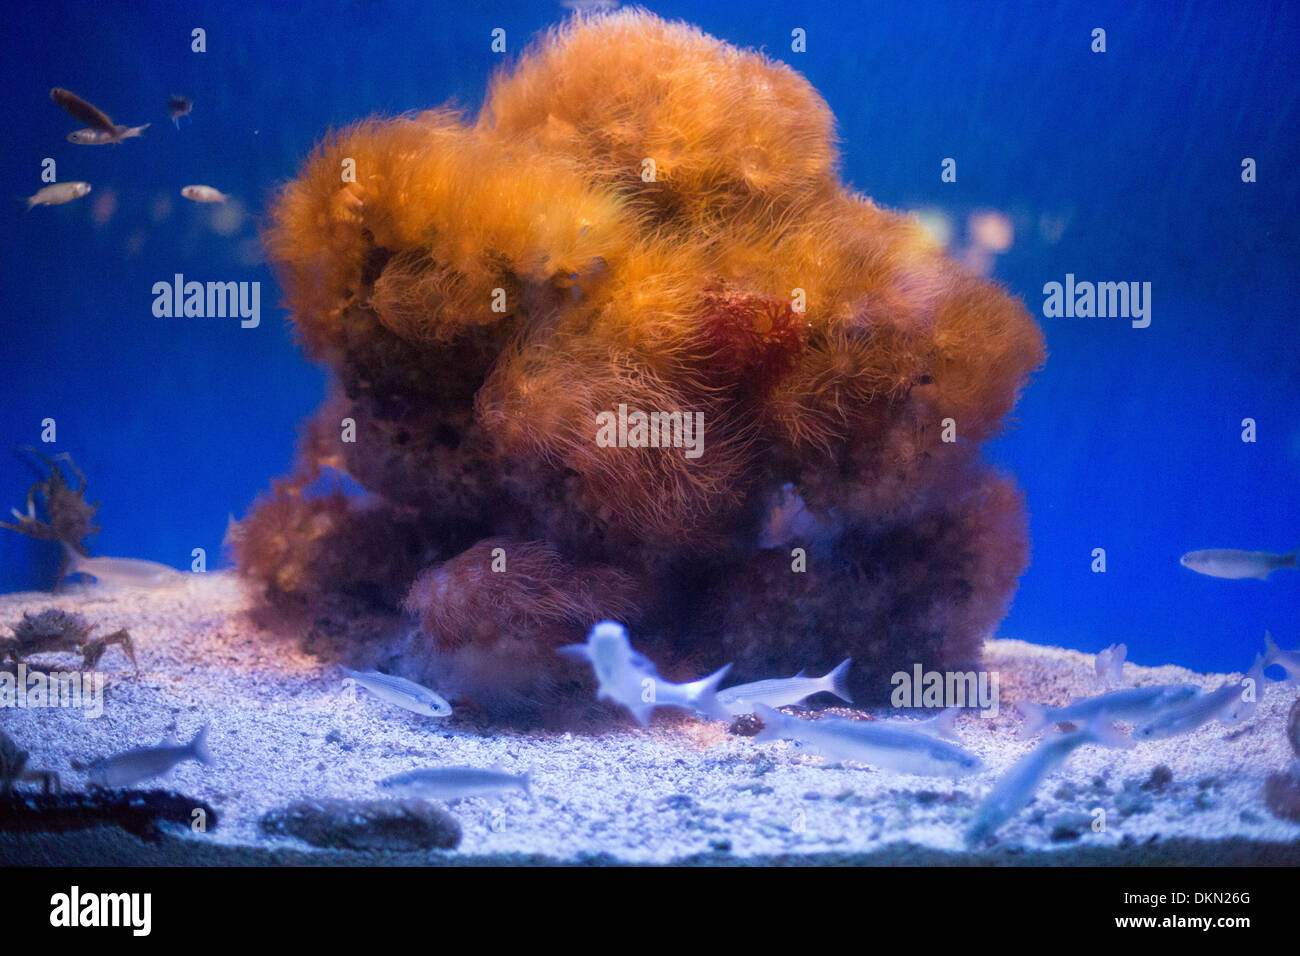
{"x":402,"y":692}
{"x":890,"y":745}
{"x":136,"y":766}
{"x":1120,"y":704}
{"x":131,"y":572}
{"x":785,"y":692}
{"x":1234,"y":565}
{"x":456,"y":783}
{"x":1109,"y":664}
{"x":1017,"y":786}
{"x":97,"y":137}
{"x":203,"y":194}
{"x":1228,"y":704}
{"x":629,"y":678}
{"x":1287,"y":660}
{"x":57,"y":194}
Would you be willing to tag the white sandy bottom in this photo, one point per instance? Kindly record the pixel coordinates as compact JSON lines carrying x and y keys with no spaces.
{"x":282,"y":728}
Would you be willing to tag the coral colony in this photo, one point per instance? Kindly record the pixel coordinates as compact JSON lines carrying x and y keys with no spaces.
{"x":624,"y":346}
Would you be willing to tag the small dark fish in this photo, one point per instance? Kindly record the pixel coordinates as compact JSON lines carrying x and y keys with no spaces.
{"x":87,"y":113}
{"x":178,"y":106}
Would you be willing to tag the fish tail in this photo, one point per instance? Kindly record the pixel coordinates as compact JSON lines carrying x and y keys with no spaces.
{"x":76,"y":560}
{"x":1290,"y":560}
{"x":706,"y":698}
{"x":1271,"y":650}
{"x":1035,"y":717}
{"x":199,"y":746}
{"x":945,"y":723}
{"x":837,"y":681}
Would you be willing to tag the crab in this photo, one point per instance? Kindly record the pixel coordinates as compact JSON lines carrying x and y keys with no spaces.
{"x":55,"y":630}
{"x":68,"y":516}
{"x":13,"y":768}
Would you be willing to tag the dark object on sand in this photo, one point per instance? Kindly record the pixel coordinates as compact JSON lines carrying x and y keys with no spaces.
{"x":57,"y":630}
{"x":393,"y":825}
{"x":138,"y":812}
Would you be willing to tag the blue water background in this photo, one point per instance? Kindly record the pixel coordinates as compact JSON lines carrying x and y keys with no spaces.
{"x":1129,"y":440}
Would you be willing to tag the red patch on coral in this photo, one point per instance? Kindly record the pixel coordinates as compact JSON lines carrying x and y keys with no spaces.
{"x":757,"y":338}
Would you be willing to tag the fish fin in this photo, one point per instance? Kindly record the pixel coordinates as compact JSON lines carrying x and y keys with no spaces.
{"x":1035,"y":717}
{"x":802,"y":673}
{"x":641,"y":711}
{"x":771,"y":723}
{"x":199,"y":746}
{"x":574,"y":652}
{"x":945,"y":723}
{"x":1103,"y":730}
{"x":838,"y":680}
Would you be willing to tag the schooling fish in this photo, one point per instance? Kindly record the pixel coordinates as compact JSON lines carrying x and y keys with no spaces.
{"x":130,"y":572}
{"x":785,"y":693}
{"x":136,"y":766}
{"x":881,"y":743}
{"x":96,"y":120}
{"x":1109,"y":664}
{"x":58,"y":194}
{"x":456,"y":783}
{"x":1017,"y":786}
{"x":97,"y":137}
{"x":1287,"y":660}
{"x":1234,"y":565}
{"x":630,"y":679}
{"x":203,"y":194}
{"x":402,"y":692}
{"x":1120,"y":704}
{"x":1229,"y":704}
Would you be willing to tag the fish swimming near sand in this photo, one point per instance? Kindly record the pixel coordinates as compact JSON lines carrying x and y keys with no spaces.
{"x":456,"y":783}
{"x":629,"y":678}
{"x":97,"y":137}
{"x":1016,"y":788}
{"x":402,"y":692}
{"x":1234,"y":565}
{"x":203,"y":194}
{"x":785,"y":692}
{"x":128,"y":572}
{"x":1133,"y":702}
{"x":96,"y":120}
{"x":1109,"y":665}
{"x":136,"y":766}
{"x":1287,"y":660}
{"x":56,"y":195}
{"x":886,"y":744}
{"x":1231,"y":703}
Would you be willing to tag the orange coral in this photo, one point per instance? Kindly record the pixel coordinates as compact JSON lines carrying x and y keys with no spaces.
{"x":643,"y":216}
